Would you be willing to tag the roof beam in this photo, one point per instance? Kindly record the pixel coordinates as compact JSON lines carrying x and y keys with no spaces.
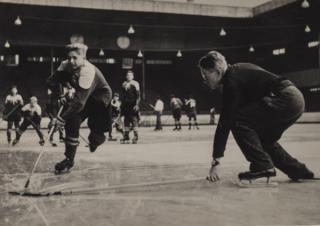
{"x":146,"y":6}
{"x":271,"y":5}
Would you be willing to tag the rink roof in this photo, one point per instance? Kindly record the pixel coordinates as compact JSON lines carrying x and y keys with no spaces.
{"x":228,"y":8}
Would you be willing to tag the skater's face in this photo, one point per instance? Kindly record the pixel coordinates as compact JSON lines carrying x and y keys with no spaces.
{"x":211,"y":77}
{"x":33,"y":102}
{"x":14,"y":91}
{"x":129,"y":76}
{"x":116,"y":98}
{"x":76,"y":59}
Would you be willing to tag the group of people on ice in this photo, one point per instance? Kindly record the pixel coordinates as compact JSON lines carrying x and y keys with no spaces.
{"x":258,"y":106}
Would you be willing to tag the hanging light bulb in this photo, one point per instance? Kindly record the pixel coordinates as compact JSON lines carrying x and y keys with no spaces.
{"x":140,"y":53}
{"x":305,"y":4}
{"x":251,"y":49}
{"x":101,"y":52}
{"x":223,"y":32}
{"x":7,"y":44}
{"x":179,"y":54}
{"x":131,"y":30}
{"x":18,"y":21}
{"x":307,"y":29}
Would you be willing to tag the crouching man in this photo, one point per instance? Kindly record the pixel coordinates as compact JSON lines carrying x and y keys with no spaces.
{"x":258,"y":106}
{"x":91,"y":101}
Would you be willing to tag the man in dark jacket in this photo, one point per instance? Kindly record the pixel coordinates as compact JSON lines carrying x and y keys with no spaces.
{"x":258,"y":106}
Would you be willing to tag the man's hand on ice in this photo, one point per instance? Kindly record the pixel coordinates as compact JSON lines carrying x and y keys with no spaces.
{"x":214,"y":171}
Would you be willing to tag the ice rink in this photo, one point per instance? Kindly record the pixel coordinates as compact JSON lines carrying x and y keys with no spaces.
{"x":182,"y":158}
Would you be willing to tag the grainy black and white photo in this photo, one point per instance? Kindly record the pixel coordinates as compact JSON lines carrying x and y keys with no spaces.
{"x":159,"y":112}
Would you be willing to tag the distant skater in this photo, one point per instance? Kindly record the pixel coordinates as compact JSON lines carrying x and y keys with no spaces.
{"x":191,"y":109}
{"x":158,"y":109}
{"x":176,"y":108}
{"x":130,"y":107}
{"x":31,"y":117}
{"x":12,"y":111}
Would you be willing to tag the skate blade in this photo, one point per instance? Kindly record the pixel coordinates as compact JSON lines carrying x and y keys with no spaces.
{"x":316,"y":179}
{"x":256,"y":184}
{"x":56,"y":172}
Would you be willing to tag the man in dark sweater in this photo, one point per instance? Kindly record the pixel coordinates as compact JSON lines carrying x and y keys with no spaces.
{"x":258,"y":106}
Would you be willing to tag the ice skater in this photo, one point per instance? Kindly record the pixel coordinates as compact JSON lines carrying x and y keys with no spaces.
{"x":258,"y":106}
{"x":12,"y":111}
{"x":176,"y":105}
{"x":31,"y":117}
{"x":130,"y":107}
{"x":191,"y":109}
{"x":116,"y":116}
{"x":158,"y":109}
{"x":91,"y":101}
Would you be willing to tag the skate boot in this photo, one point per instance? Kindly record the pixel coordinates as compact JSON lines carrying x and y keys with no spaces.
{"x":126,"y":138}
{"x":9,"y":137}
{"x":61,"y":139}
{"x":303,"y":174}
{"x":63,"y":166}
{"x":179,"y":126}
{"x":53,"y":144}
{"x":190,"y":126}
{"x":196,"y":125}
{"x":41,"y":142}
{"x":18,"y":135}
{"x":15,"y":142}
{"x":135,"y":137}
{"x":95,"y":140}
{"x":253,"y":176}
{"x":66,"y":164}
{"x":111,"y":138}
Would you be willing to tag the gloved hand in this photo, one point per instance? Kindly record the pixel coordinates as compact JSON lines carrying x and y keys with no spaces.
{"x":214,"y":171}
{"x":58,"y":123}
{"x":136,"y":108}
{"x":63,"y":100}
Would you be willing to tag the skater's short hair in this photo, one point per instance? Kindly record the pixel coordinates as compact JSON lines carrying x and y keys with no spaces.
{"x":116,"y":95}
{"x":77,"y":44}
{"x":34,"y":99}
{"x":77,"y":38}
{"x":80,"y":48}
{"x":172,"y":96}
{"x":14,"y":87}
{"x":158,"y":97}
{"x":213,"y":60}
{"x":130,"y":72}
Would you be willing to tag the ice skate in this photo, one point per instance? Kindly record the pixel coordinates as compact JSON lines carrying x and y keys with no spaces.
{"x":125,"y":141}
{"x":111,"y":138}
{"x":64,"y":166}
{"x":135,"y":138}
{"x":53,"y":144}
{"x":251,"y":179}
{"x":15,"y":142}
{"x":41,"y":142}
{"x":306,"y":176}
{"x":126,"y":138}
